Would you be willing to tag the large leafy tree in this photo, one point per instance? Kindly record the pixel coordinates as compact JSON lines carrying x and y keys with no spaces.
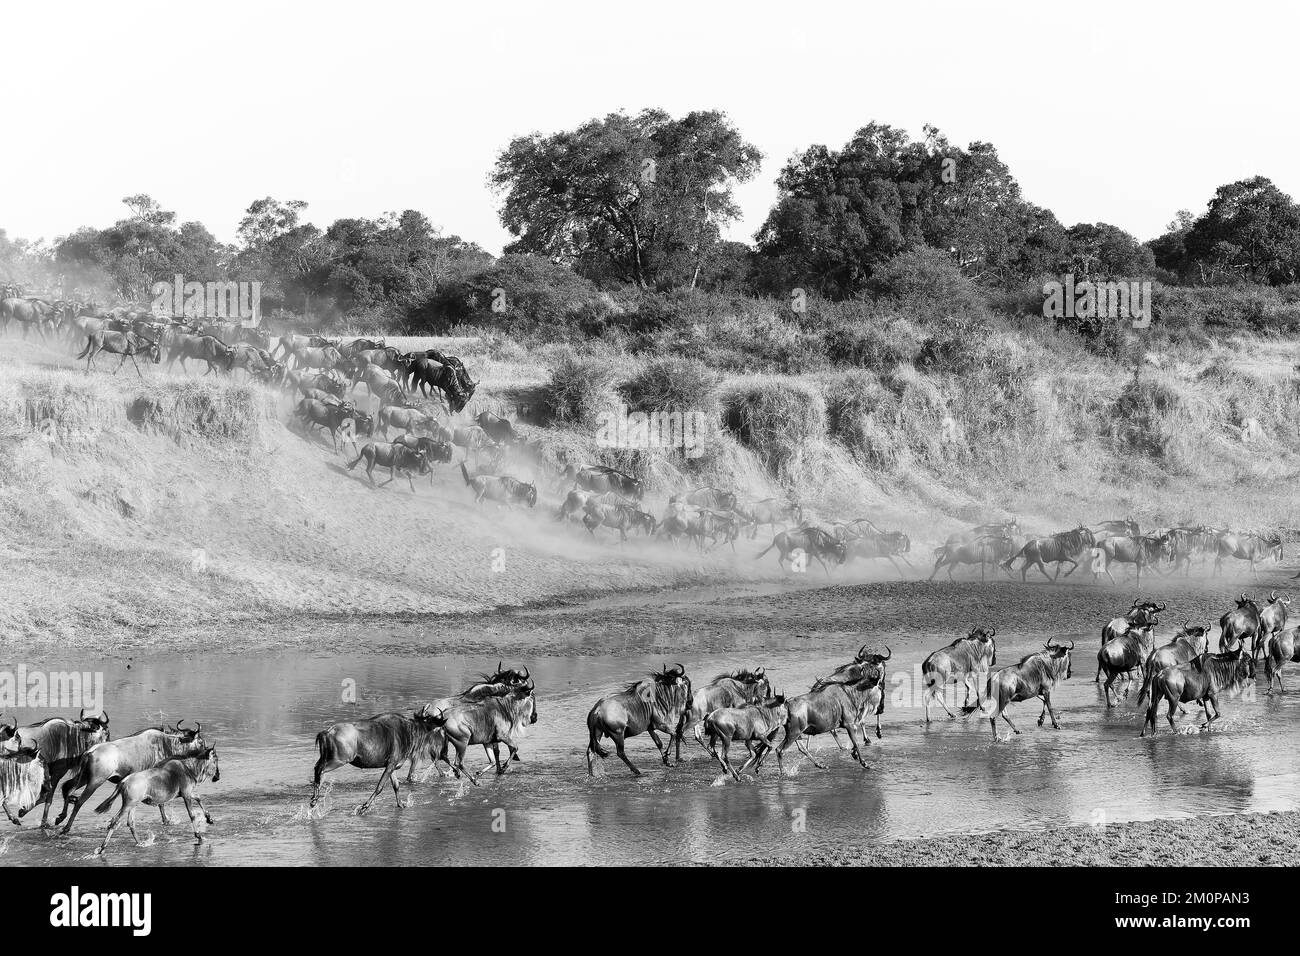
{"x":1101,"y":251}
{"x":636,"y":198}
{"x":1250,"y":232}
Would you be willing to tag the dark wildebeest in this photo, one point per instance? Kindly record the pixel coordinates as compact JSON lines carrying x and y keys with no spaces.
{"x":322,"y":358}
{"x":124,"y":344}
{"x":837,"y":702}
{"x":498,"y":429}
{"x":770,"y":512}
{"x":1139,"y":614}
{"x":1247,"y":547}
{"x":654,"y":703}
{"x":715,"y":499}
{"x":873,"y":544}
{"x":1272,"y":620}
{"x":1140,"y":552}
{"x":1064,"y":546}
{"x":1200,"y":681}
{"x":1123,"y":654}
{"x":736,"y":689}
{"x":875,"y":700}
{"x":62,"y":743}
{"x":1240,"y":623}
{"x":1282,"y":649}
{"x":486,"y":686}
{"x":502,"y":489}
{"x":334,"y":418}
{"x":970,"y":658}
{"x":812,"y":542}
{"x":601,"y":479}
{"x":1191,"y":641}
{"x":762,"y":721}
{"x":996,"y":529}
{"x":1189,"y":541}
{"x":397,"y":458}
{"x":178,"y":777}
{"x":31,"y":312}
{"x":407,"y":419}
{"x":205,"y":348}
{"x":490,"y":719}
{"x":384,"y":740}
{"x":1125,"y":528}
{"x":1035,"y":676}
{"x":114,"y":759}
{"x":425,"y":375}
{"x":252,"y":359}
{"x":377,"y":380}
{"x":574,"y":505}
{"x":22,"y":779}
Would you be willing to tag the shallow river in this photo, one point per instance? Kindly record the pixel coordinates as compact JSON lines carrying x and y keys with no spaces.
{"x":263,"y":712}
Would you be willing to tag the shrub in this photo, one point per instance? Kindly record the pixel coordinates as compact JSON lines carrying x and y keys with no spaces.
{"x":774,"y":418}
{"x":673,"y":384}
{"x":579,"y":390}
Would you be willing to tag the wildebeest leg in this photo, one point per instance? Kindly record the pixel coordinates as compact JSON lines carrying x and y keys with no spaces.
{"x":1043,"y":568}
{"x":665,"y":753}
{"x":1217,"y":713}
{"x":323,"y":765}
{"x":1110,"y":680}
{"x":207,"y":817}
{"x":617,"y":737}
{"x":1047,"y":711}
{"x":130,"y":825}
{"x":1013,"y":727}
{"x":194,"y":824}
{"x":120,"y":362}
{"x":386,"y":775}
{"x":802,"y":744}
{"x":76,"y":807}
{"x":112,"y":825}
{"x":162,"y":812}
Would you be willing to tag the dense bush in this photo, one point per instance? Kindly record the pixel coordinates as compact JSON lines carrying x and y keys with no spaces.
{"x":579,"y":390}
{"x":673,"y":384}
{"x":774,"y":418}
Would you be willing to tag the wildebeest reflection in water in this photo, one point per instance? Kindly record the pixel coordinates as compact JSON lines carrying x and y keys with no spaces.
{"x":264,"y":711}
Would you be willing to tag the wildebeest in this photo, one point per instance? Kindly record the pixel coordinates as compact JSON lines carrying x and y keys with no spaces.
{"x":1064,"y":546}
{"x":1126,"y":528}
{"x":1188,"y":541}
{"x":424,"y":374}
{"x":601,"y":479}
{"x":62,"y":743}
{"x":22,"y":779}
{"x":996,"y":529}
{"x":206,"y":348}
{"x":1239,"y":624}
{"x":969,"y":658}
{"x":377,"y":380}
{"x":1139,"y":614}
{"x":114,"y":759}
{"x":397,"y":458}
{"x":873,"y":543}
{"x":498,"y":429}
{"x":1124,"y":653}
{"x":812,"y":542}
{"x":837,"y":702}
{"x":770,"y":512}
{"x":334,"y":418}
{"x":1272,"y":620}
{"x":984,"y":550}
{"x":177,"y":777}
{"x":1247,"y":547}
{"x":1282,"y":649}
{"x":1034,"y":676}
{"x":654,"y":703}
{"x":382,"y":741}
{"x":491,"y":719}
{"x":407,"y":419}
{"x":487,"y":685}
{"x":1142,"y":551}
{"x":1190,"y":641}
{"x":502,"y":489}
{"x":715,"y":499}
{"x":124,"y":344}
{"x":291,"y":342}
{"x":762,"y":721}
{"x":573,"y":505}
{"x":621,"y":517}
{"x":735,"y":689}
{"x":1199,"y":681}
{"x":321,"y":358}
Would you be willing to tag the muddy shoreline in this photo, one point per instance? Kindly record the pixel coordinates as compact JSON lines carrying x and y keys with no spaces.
{"x":1248,"y":839}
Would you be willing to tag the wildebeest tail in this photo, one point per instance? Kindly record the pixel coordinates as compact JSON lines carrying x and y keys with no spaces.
{"x":765,"y":550}
{"x":325,"y":745}
{"x":995,"y":700}
{"x":90,"y":339}
{"x":465,"y":471}
{"x":1011,"y":560}
{"x":357,"y":461}
{"x":103,"y":807}
{"x":593,"y":729}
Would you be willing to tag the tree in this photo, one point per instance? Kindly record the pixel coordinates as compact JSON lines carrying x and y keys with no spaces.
{"x":1251,"y":232}
{"x":640,"y":197}
{"x":1100,"y":250}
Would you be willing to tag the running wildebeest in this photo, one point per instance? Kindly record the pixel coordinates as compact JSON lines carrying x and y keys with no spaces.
{"x":837,"y":702}
{"x":736,"y":689}
{"x":601,"y":479}
{"x":1034,"y":676}
{"x":177,"y":777}
{"x":1064,"y":546}
{"x":205,"y":348}
{"x":1199,"y":681}
{"x":487,"y":685}
{"x":770,"y":512}
{"x":397,"y":458}
{"x":1188,"y":541}
{"x":812,"y":542}
{"x":715,"y":499}
{"x":491,"y":719}
{"x":762,"y":720}
{"x":1239,"y":624}
{"x":1272,"y":620}
{"x":984,"y":550}
{"x":124,"y":344}
{"x":621,"y":517}
{"x":334,"y":418}
{"x":1191,"y":641}
{"x":1125,"y":528}
{"x":996,"y":529}
{"x":425,"y":375}
{"x":114,"y":759}
{"x":502,"y":489}
{"x":1247,"y":547}
{"x":1143,"y":551}
{"x":22,"y":779}
{"x":62,"y":743}
{"x":498,"y":429}
{"x":1124,"y":653}
{"x":654,"y":703}
{"x":872,"y":543}
{"x":382,"y":741}
{"x":1282,"y":649}
{"x":970,"y":658}
{"x":1140,"y":614}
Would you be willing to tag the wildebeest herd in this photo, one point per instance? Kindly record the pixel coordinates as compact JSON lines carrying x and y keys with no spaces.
{"x":741,"y":707}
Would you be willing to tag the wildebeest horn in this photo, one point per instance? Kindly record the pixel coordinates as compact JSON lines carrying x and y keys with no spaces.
{"x":198,"y":728}
{"x":14,"y":718}
{"x":1135,"y":602}
{"x":526,"y":674}
{"x":82,"y":716}
{"x":499,"y":663}
{"x":993,"y":631}
{"x":1071,"y":647}
{"x":679,"y":668}
{"x":888,"y":653}
{"x":1272,"y":596}
{"x":862,"y":650}
{"x":758,"y":671}
{"x":104,"y":715}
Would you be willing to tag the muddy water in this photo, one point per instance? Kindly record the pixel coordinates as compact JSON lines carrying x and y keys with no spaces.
{"x":945,"y":779}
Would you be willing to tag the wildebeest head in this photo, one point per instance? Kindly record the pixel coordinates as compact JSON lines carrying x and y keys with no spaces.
{"x":866,"y":657}
{"x":674,"y":676}
{"x":1060,"y":654}
{"x":7,"y":731}
{"x":95,"y":726}
{"x":154,"y":351}
{"x":188,"y":735}
{"x":985,"y":635}
{"x":526,"y":696}
{"x":212,"y":766}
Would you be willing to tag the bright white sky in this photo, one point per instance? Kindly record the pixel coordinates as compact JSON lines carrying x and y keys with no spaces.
{"x":1118,"y":112}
